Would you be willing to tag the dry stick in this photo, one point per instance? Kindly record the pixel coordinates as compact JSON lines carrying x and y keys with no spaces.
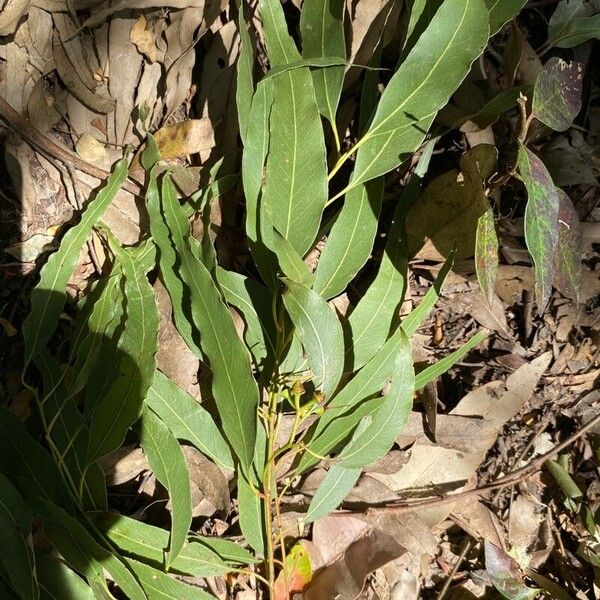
{"x":46,"y":145}
{"x":457,"y":564}
{"x":510,"y":479}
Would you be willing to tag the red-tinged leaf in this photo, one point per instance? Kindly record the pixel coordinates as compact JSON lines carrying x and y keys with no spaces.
{"x":506,"y":574}
{"x":486,"y":254}
{"x":567,"y":259}
{"x":297,"y":572}
{"x":557,"y":93}
{"x":541,"y":221}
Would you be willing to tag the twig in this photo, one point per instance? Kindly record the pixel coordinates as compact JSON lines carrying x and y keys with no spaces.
{"x":47,"y":146}
{"x":457,"y":564}
{"x":510,"y":479}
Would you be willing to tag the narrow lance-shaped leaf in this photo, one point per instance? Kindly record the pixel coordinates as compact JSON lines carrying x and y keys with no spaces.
{"x":541,"y":221}
{"x":157,"y":584}
{"x":502,"y":11}
{"x":567,"y":258}
{"x":296,"y":177}
{"x":352,"y":403}
{"x":432,"y":71}
{"x":202,"y":557}
{"x":16,"y":551}
{"x":49,"y":295}
{"x":320,"y":332}
{"x":136,"y":350}
{"x":576,"y":31}
{"x":322,"y":32}
{"x":256,"y":147}
{"x":188,"y":420}
{"x":85,"y":554}
{"x":350,"y":242}
{"x":245,"y":80}
{"x":390,"y":416}
{"x":57,"y":581}
{"x":486,"y":254}
{"x":254,"y":301}
{"x":170,"y":468}
{"x":557,"y":93}
{"x":234,"y":388}
{"x":290,"y":262}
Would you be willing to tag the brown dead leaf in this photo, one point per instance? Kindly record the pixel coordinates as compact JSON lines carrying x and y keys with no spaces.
{"x":143,"y":38}
{"x":124,"y":464}
{"x":11,"y":14}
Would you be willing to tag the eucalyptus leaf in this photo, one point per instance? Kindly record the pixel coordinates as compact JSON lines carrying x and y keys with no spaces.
{"x":541,"y":221}
{"x":295,"y":190}
{"x":290,"y":262}
{"x":188,"y":420}
{"x":58,"y":582}
{"x":434,"y":68}
{"x":502,"y":11}
{"x":168,"y":463}
{"x":49,"y":295}
{"x":322,"y":32}
{"x":320,"y":332}
{"x":567,"y":257}
{"x":16,"y":550}
{"x":486,"y":254}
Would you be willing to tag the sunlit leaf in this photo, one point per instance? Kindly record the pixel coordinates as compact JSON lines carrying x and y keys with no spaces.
{"x":322,"y":32}
{"x":296,"y":183}
{"x":200,"y":558}
{"x":320,"y":332}
{"x":157,"y":584}
{"x":16,"y":551}
{"x":541,"y":221}
{"x":187,"y":419}
{"x":168,"y":463}
{"x":290,"y":262}
{"x":351,"y":239}
{"x":234,"y":388}
{"x":49,"y":295}
{"x":295,"y":574}
{"x":567,"y":258}
{"x":557,"y":93}
{"x":423,"y":83}
{"x":245,"y":81}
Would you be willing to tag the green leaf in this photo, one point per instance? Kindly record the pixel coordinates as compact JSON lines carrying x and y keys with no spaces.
{"x":159,"y":585}
{"x":541,"y":221}
{"x":567,"y":257}
{"x":290,"y":262}
{"x":562,"y":477}
{"x":81,"y":551}
{"x":424,"y":82}
{"x":245,"y":79}
{"x":350,"y":242}
{"x":16,"y":552}
{"x":296,"y":176}
{"x":415,"y":318}
{"x":49,"y":295}
{"x":389,"y":418}
{"x":58,"y":582}
{"x":336,"y":485}
{"x":352,"y":402}
{"x":199,"y":558}
{"x":258,"y":229}
{"x":441,"y":366}
{"x":319,"y":62}
{"x":565,"y":12}
{"x":254,"y":302}
{"x":373,"y":317}
{"x":486,"y":254}
{"x":233,"y":385}
{"x":571,"y":32}
{"x":421,"y":13}
{"x":170,"y":468}
{"x":557,"y":93}
{"x":29,"y":467}
{"x":502,"y":11}
{"x":188,"y":420}
{"x":320,"y":332}
{"x":250,"y":505}
{"x":322,"y":32}
{"x":114,"y":413}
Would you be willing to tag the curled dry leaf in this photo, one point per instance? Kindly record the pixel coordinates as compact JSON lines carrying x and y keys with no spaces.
{"x":143,"y":38}
{"x":11,"y":14}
